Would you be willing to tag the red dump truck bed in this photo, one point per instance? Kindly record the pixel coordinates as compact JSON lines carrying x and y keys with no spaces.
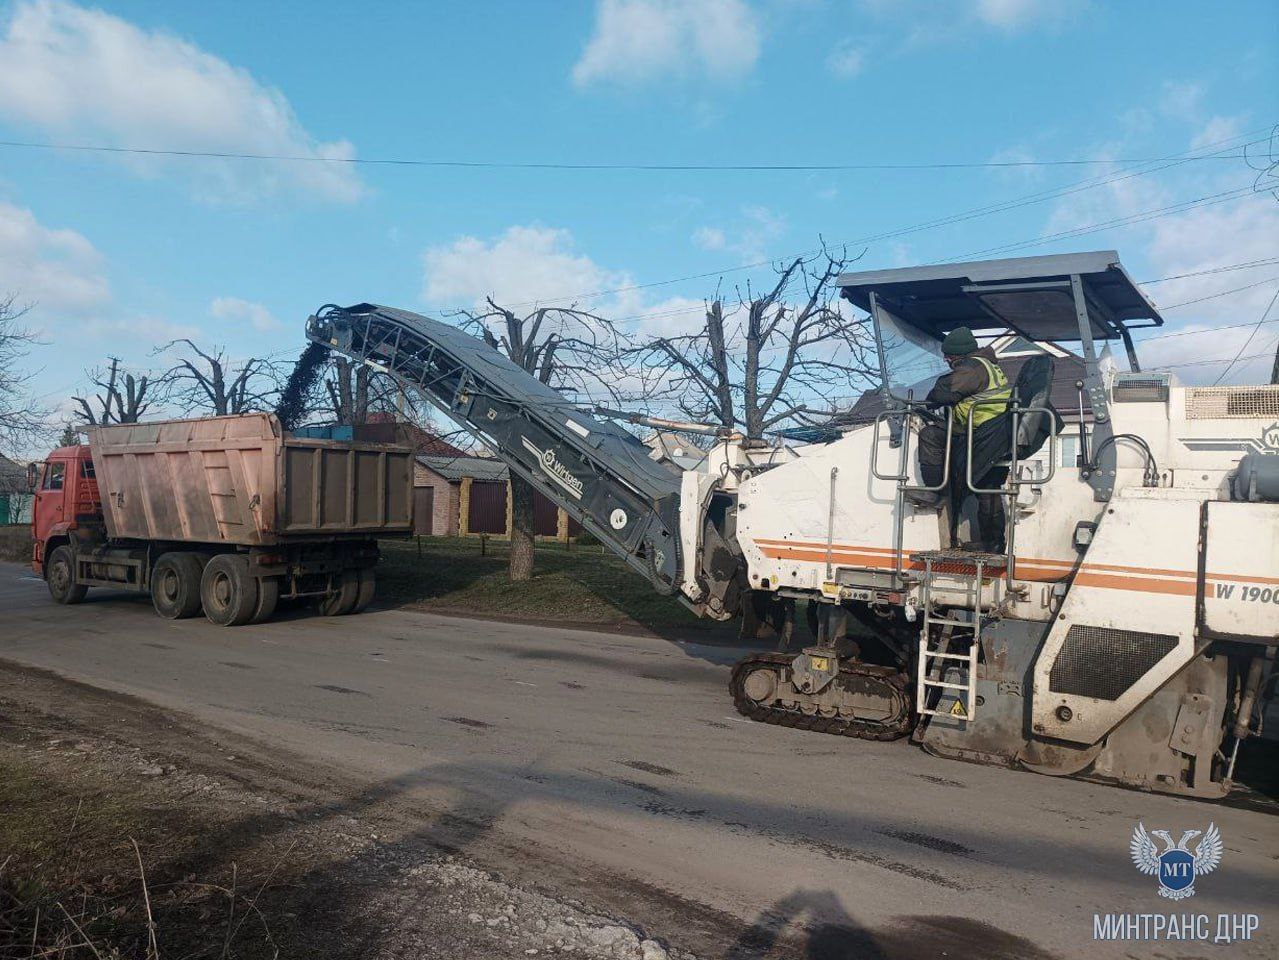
{"x":242,"y":480}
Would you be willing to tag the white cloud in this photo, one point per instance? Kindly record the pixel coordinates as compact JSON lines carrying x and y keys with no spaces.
{"x":848,"y":59}
{"x":1181,"y":101}
{"x":56,"y":269}
{"x":1017,"y":14}
{"x":749,"y":238}
{"x":641,"y":40}
{"x":235,"y":310}
{"x":84,"y":74}
{"x":1193,"y":241}
{"x":709,"y":238}
{"x":525,"y":265}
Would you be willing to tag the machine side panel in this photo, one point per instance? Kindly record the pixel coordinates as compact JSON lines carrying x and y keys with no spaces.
{"x":1125,"y":626}
{"x":1241,"y":556}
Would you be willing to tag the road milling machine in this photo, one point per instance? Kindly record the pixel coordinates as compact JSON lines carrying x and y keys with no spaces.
{"x":1127,"y":632}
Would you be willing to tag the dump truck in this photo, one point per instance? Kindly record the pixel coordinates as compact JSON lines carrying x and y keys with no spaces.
{"x":1126,"y":633}
{"x":225,"y":515}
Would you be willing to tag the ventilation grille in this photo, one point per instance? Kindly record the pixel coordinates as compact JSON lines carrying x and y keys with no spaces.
{"x":1232,"y":403}
{"x":1103,"y":663}
{"x":1141,"y":388}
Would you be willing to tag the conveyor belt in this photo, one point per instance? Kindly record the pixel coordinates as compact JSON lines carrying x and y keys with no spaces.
{"x":602,"y":475}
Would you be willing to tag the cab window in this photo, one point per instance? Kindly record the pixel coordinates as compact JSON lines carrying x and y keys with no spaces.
{"x":54,"y":475}
{"x":86,"y":469}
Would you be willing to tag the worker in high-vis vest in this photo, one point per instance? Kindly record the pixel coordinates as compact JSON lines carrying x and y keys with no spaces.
{"x":976,"y":391}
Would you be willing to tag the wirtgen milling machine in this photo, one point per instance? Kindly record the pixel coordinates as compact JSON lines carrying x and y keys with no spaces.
{"x":1127,"y":632}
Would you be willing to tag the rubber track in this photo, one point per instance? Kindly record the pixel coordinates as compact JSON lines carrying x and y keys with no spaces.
{"x":839,"y":726}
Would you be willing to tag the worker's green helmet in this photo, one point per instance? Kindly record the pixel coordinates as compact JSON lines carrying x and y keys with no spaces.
{"x":959,"y":342}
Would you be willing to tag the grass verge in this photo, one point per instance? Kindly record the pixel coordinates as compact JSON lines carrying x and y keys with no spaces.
{"x":574,"y":585}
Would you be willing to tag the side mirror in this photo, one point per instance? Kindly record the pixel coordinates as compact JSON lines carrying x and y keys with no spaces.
{"x":33,"y":475}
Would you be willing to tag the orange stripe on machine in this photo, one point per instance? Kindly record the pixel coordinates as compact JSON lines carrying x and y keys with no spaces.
{"x":1104,"y":575}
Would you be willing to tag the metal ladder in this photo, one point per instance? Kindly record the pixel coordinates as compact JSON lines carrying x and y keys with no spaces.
{"x":934,"y":657}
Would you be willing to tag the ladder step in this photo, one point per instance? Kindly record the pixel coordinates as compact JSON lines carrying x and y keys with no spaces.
{"x":948,"y":686}
{"x":952,"y":623}
{"x":967,"y":658}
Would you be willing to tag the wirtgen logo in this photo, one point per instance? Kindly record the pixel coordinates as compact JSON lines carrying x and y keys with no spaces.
{"x":554,"y":469}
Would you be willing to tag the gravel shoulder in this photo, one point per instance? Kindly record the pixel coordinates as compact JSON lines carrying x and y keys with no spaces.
{"x":241,"y":845}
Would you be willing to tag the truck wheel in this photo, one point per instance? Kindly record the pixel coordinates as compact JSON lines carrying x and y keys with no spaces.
{"x":343,"y":599}
{"x":60,"y":574}
{"x":268,"y":597}
{"x":368,"y":587}
{"x":229,"y":592}
{"x":175,"y":585}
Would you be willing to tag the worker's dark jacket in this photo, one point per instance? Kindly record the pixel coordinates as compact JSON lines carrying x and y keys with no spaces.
{"x":990,"y":439}
{"x":968,"y":377}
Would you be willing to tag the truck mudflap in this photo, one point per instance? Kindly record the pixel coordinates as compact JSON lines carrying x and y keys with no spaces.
{"x":598,"y":472}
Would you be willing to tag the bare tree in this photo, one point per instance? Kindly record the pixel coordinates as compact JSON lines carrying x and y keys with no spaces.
{"x":22,"y":420}
{"x":207,"y":382}
{"x":121,"y":397}
{"x":354,"y":391}
{"x":571,"y":350}
{"x":767,"y":360}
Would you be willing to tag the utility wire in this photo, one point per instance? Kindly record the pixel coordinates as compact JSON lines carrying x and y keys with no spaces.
{"x":557,"y":165}
{"x":1027,"y":200}
{"x":1248,"y":342}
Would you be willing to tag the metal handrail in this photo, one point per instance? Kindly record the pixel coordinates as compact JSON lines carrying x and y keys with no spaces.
{"x":1014,"y":481}
{"x":904,"y":465}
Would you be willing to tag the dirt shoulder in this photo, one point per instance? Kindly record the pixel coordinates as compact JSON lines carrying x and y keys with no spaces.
{"x":118,"y":811}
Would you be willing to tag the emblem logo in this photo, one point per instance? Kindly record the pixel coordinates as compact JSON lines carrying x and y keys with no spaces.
{"x":1270,"y":436}
{"x":554,"y":469}
{"x":1176,"y":868}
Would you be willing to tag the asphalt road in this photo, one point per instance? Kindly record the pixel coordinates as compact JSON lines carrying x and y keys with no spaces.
{"x":617,"y":757}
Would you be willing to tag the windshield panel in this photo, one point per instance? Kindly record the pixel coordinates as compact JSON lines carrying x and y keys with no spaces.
{"x":911,"y":358}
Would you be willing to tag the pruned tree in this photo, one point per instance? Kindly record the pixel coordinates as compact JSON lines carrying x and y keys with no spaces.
{"x":354,"y":391}
{"x":769,"y":359}
{"x":22,"y":419}
{"x":206,"y":382}
{"x":122,"y":397}
{"x":574,"y":351}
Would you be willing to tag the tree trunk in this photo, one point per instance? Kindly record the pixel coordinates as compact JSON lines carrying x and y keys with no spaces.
{"x":522,"y":529}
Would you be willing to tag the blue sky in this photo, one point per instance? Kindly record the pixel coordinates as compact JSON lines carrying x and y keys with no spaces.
{"x":120,"y":254}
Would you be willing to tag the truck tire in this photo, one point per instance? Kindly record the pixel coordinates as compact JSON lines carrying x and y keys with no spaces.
{"x":175,"y":585}
{"x":368,"y":587}
{"x":229,"y":592}
{"x":59,"y":573}
{"x":268,"y":597}
{"x":343,"y":599}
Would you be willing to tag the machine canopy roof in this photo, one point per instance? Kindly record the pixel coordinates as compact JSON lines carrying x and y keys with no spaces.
{"x":1031,"y":295}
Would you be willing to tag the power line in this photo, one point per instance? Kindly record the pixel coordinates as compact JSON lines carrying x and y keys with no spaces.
{"x":1204,"y":363}
{"x":1223,"y":293}
{"x":1209,"y":149}
{"x":1248,"y":342}
{"x":1143,"y":217}
{"x":628,"y":167}
{"x":1225,"y":268}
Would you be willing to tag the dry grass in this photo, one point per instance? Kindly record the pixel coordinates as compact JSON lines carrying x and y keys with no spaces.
{"x":577,"y":585}
{"x":15,"y":542}
{"x":92,"y":871}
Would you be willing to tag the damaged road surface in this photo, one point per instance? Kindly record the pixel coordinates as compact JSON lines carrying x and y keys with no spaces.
{"x":494,"y":789}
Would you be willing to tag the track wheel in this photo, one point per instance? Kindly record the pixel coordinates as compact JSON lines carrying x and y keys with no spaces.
{"x":229,"y":592}
{"x":59,"y":571}
{"x":175,"y":585}
{"x":345,"y":594}
{"x":368,"y":587}
{"x":268,"y":597}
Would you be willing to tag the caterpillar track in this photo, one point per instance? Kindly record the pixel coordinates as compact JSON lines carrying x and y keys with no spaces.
{"x":883,"y":687}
